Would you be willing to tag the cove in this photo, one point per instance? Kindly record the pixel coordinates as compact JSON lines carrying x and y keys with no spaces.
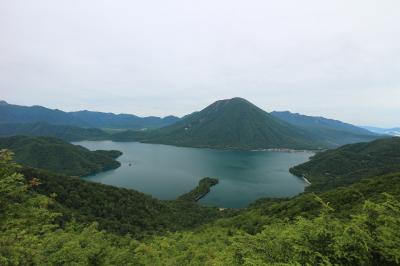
{"x":166,"y":172}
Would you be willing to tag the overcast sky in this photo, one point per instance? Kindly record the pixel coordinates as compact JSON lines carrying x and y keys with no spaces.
{"x":339,"y":59}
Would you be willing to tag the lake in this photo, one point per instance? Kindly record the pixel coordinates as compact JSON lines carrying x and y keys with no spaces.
{"x":166,"y":172}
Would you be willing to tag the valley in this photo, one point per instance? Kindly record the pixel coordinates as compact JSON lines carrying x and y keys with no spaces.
{"x":123,"y":225}
{"x":199,"y":133}
{"x":229,"y":185}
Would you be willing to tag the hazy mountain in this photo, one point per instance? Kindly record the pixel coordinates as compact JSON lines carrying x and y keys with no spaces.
{"x":233,"y":123}
{"x":318,"y":122}
{"x":65,"y":132}
{"x":387,"y":131}
{"x":59,"y":156}
{"x":10,"y":113}
{"x":110,"y":120}
{"x":329,"y":131}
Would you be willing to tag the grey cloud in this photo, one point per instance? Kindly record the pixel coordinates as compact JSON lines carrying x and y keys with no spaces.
{"x":340,"y":59}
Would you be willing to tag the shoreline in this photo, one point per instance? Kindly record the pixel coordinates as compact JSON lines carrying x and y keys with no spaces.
{"x":200,"y":191}
{"x":286,"y":150}
{"x":306,"y":180}
{"x":289,"y":150}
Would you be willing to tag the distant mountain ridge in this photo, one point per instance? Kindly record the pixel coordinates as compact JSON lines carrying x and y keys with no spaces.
{"x":395,"y":131}
{"x":317,"y":121}
{"x":231,"y":123}
{"x":238,"y":124}
{"x":330,"y":131}
{"x":64,"y":132}
{"x":235,"y":124}
{"x":111,"y":120}
{"x":10,"y":113}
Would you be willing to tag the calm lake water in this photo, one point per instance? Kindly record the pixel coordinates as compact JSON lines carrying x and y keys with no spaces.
{"x":166,"y":172}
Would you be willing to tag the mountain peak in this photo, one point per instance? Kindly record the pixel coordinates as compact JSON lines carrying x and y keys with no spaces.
{"x":232,"y":123}
{"x":234,"y":100}
{"x":2,"y":102}
{"x":237,"y":99}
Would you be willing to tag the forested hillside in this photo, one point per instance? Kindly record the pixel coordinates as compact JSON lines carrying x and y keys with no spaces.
{"x":119,"y":210}
{"x":350,"y":163}
{"x":64,"y":132}
{"x":330,"y":131}
{"x":59,"y":156}
{"x":233,"y":123}
{"x":238,"y":124}
{"x":359,"y":227}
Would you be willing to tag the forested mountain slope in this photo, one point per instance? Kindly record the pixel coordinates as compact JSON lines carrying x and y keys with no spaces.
{"x":119,"y":210}
{"x":350,"y":163}
{"x":238,"y":124}
{"x":64,"y":132}
{"x":233,"y":123}
{"x":59,"y":156}
{"x":305,"y":230}
{"x":318,"y":121}
{"x":333,"y":132}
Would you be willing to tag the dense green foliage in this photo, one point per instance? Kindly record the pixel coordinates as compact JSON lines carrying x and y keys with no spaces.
{"x":344,"y":200}
{"x":200,"y":190}
{"x":367,"y":238}
{"x":59,"y":156}
{"x":325,"y":130}
{"x":119,"y":210}
{"x":10,"y":113}
{"x":350,"y":163}
{"x":31,"y":234}
{"x":67,"y":133}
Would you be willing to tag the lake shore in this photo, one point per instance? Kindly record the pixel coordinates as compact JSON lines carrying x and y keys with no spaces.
{"x":306,"y":180}
{"x":286,"y":150}
{"x":167,"y":172}
{"x":202,"y":189}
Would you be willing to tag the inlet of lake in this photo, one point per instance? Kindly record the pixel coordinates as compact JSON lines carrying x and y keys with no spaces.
{"x":166,"y":172}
